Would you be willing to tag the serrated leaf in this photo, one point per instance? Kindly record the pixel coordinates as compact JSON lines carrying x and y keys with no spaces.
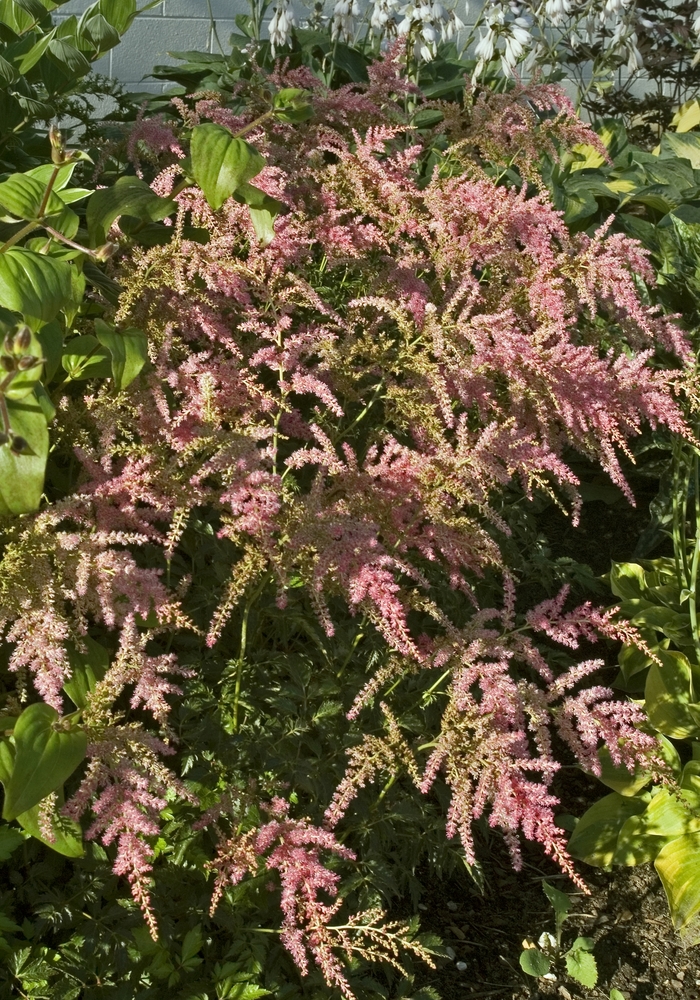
{"x":128,"y":350}
{"x":10,"y":840}
{"x":220,"y":163}
{"x":533,"y":962}
{"x":581,"y":966}
{"x":22,"y":476}
{"x":45,"y":756}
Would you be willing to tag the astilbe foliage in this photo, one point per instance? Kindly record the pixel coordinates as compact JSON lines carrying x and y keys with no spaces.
{"x":343,"y":403}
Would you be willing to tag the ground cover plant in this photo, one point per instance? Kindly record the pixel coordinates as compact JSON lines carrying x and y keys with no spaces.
{"x":259,"y":626}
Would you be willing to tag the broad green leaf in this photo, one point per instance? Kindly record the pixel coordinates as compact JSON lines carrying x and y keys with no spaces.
{"x":45,"y":402}
{"x":87,"y":669}
{"x":595,"y":838}
{"x":128,"y":348}
{"x":68,"y":57}
{"x":192,"y":943}
{"x":36,"y":52}
{"x":679,"y":871}
{"x":119,"y":13}
{"x":127,"y":196}
{"x":24,"y":382}
{"x":10,"y":839}
{"x":51,"y":340}
{"x":46,"y":754}
{"x":35,"y":285}
{"x":618,"y":777}
{"x":668,"y":695}
{"x":84,"y":357}
{"x":589,"y":158}
{"x":616,"y":995}
{"x":627,"y":580}
{"x":68,"y":836}
{"x":220,"y":163}
{"x":685,"y":145}
{"x":687,"y":117}
{"x":559,"y":900}
{"x":103,"y":35}
{"x":22,"y":475}
{"x":263,"y":211}
{"x":23,"y":196}
{"x":45,"y":172}
{"x":581,"y":966}
{"x":534,"y":962}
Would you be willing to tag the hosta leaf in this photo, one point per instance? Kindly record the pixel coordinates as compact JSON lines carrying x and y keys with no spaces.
{"x":45,"y":755}
{"x":677,"y":865}
{"x":594,"y":839}
{"x":534,"y":962}
{"x":22,"y":476}
{"x":128,"y":348}
{"x":668,"y":695}
{"x":127,"y":196}
{"x":32,"y":284}
{"x":220,"y":163}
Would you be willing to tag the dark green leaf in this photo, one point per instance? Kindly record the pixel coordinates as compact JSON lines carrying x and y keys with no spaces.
{"x":84,"y":357}
{"x":23,"y":196}
{"x":220,"y":163}
{"x":46,"y":754}
{"x":127,"y":196}
{"x":87,"y":669}
{"x":534,"y":962}
{"x":10,"y":840}
{"x":128,"y":348}
{"x":33,"y":284}
{"x":22,"y":476}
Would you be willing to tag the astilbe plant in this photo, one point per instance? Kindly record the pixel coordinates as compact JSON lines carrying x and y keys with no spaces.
{"x":344,"y":403}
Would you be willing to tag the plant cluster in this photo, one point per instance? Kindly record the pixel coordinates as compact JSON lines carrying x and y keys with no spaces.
{"x":272,"y":387}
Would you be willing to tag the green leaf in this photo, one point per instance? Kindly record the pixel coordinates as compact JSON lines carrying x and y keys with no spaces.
{"x":68,"y":837}
{"x":559,"y":900}
{"x":668,"y":695}
{"x":10,"y":840}
{"x":87,"y":669}
{"x":534,"y":962}
{"x":35,"y":285}
{"x":119,"y":13}
{"x":51,"y":340}
{"x":616,"y":995}
{"x":677,"y":865}
{"x":581,"y":966}
{"x":617,"y":777}
{"x":46,"y":754}
{"x":36,"y":52}
{"x":22,"y":476}
{"x":192,"y":943}
{"x":220,"y":163}
{"x":627,"y":580}
{"x":84,"y":357}
{"x":595,"y":838}
{"x":128,"y":348}
{"x":24,"y":382}
{"x":685,"y":145}
{"x":127,"y":196}
{"x":22,"y":196}
{"x":263,"y":211}
{"x":68,"y":57}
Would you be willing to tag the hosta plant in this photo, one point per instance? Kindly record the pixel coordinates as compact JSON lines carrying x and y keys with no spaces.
{"x":256,"y":585}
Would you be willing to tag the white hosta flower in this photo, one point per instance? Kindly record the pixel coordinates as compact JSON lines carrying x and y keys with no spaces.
{"x":696,"y":22}
{"x":517,"y":40}
{"x":343,"y":20}
{"x":557,"y":10}
{"x":635,"y":61}
{"x":384,"y":16}
{"x":281,"y":25}
{"x":485,"y":46}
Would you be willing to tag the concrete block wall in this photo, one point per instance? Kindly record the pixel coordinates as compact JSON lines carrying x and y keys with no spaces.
{"x":179,"y":25}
